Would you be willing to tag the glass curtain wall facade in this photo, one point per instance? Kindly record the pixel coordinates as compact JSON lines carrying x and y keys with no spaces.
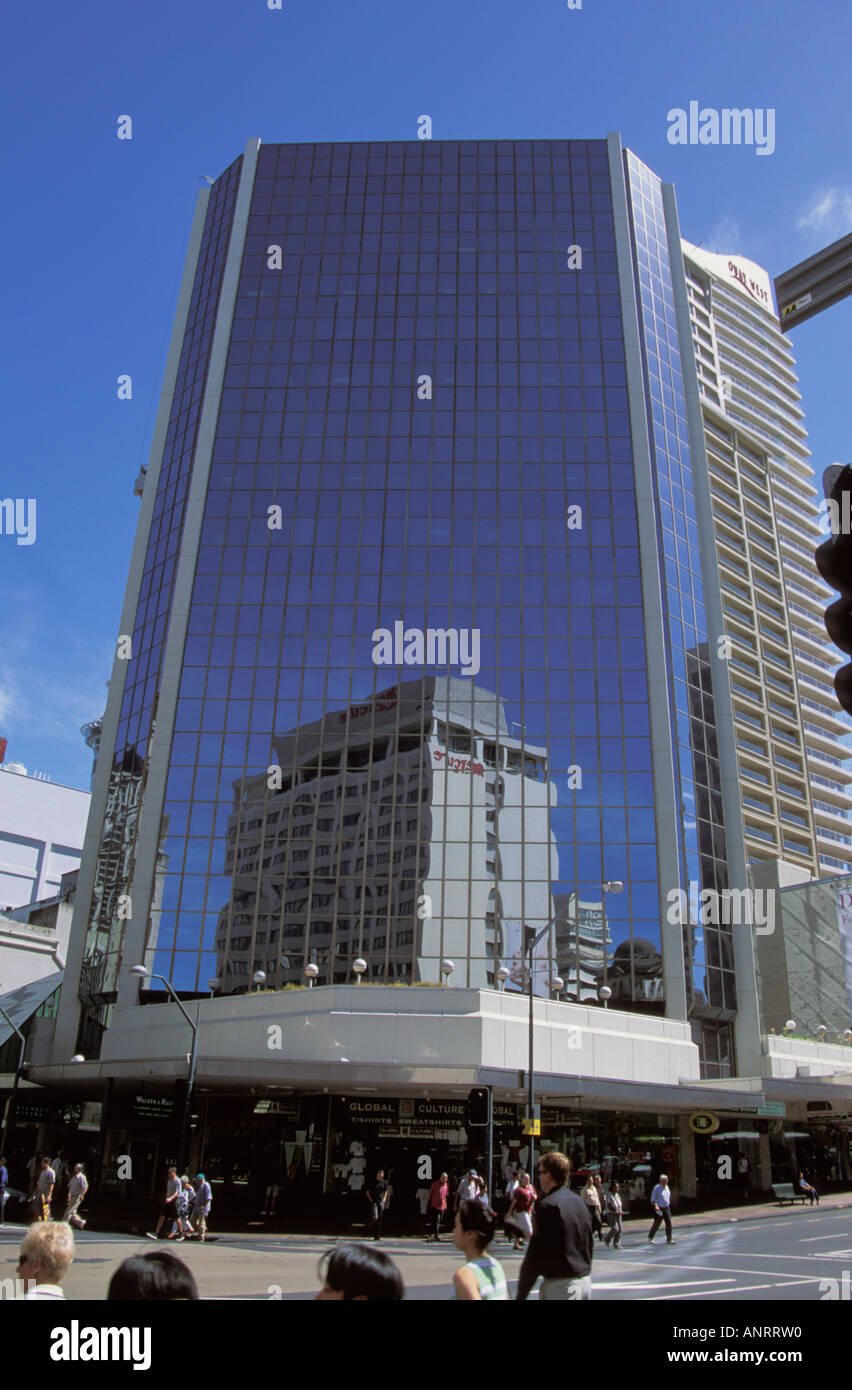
{"x":108,"y":914}
{"x":412,"y":718}
{"x":702,"y":852}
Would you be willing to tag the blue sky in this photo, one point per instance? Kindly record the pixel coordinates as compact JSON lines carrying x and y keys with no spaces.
{"x":96,"y":228}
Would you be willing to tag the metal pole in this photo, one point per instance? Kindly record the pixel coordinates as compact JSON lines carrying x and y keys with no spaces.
{"x":187,"y":1105}
{"x":490,"y":1146}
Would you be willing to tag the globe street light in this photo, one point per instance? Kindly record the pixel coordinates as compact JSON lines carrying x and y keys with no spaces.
{"x":605,"y":994}
{"x":311,"y":972}
{"x":358,"y":967}
{"x":447,"y":968}
{"x":259,"y":978}
{"x":502,"y":977}
{"x":143,"y":973}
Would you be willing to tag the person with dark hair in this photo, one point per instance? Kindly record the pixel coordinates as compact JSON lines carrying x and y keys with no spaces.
{"x":184,"y":1202}
{"x":520,"y":1211}
{"x":592,"y":1198}
{"x":560,"y":1252}
{"x":439,"y":1195}
{"x":45,"y":1183}
{"x":377,"y":1197}
{"x":167,"y":1207}
{"x":357,"y":1273}
{"x":481,"y":1277}
{"x":614,"y":1209}
{"x":33,"y":1170}
{"x":201,"y":1206}
{"x":156,"y":1276}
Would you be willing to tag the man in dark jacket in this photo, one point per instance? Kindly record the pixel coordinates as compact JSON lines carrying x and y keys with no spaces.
{"x":560,"y":1251}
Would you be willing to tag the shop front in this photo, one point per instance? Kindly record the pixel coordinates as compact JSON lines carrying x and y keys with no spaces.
{"x":265,"y":1154}
{"x":413,"y":1141}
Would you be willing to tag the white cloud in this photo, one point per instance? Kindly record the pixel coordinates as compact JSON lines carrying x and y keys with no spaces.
{"x":724,"y":235}
{"x":7,"y":704}
{"x":829,"y":212}
{"x":46,"y":696}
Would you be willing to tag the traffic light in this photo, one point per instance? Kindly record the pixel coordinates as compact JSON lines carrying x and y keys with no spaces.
{"x":834,"y":562}
{"x":479,"y":1107}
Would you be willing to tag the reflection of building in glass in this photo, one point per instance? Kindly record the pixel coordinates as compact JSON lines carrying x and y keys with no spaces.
{"x":394,"y":831}
{"x":111,"y":906}
{"x":112,"y":877}
{"x":710,"y":981}
{"x":582,"y":941}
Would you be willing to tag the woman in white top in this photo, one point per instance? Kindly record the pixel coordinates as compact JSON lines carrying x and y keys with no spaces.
{"x":593,"y":1202}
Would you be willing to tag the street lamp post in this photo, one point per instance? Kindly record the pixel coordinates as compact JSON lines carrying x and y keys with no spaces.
{"x":144,"y":974}
{"x":13,"y":1098}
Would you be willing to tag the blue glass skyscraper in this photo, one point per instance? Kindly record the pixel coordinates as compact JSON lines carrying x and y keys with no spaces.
{"x":423,"y":612}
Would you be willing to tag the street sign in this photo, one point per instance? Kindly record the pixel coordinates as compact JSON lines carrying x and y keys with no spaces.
{"x":771,"y":1110}
{"x":815,"y":284}
{"x":703,"y":1122}
{"x":532,"y":1127}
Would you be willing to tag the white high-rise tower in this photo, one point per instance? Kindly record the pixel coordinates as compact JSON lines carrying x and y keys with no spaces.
{"x":794,"y":771}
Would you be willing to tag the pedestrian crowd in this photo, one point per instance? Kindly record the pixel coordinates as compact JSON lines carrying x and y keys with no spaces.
{"x":557,"y":1230}
{"x":53,"y":1186}
{"x":184,"y":1207}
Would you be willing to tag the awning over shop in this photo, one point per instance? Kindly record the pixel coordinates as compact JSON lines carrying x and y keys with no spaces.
{"x":21,"y":1003}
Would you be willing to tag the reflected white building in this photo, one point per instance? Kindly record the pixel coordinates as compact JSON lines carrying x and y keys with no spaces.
{"x":582,"y":941}
{"x":405,"y":830}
